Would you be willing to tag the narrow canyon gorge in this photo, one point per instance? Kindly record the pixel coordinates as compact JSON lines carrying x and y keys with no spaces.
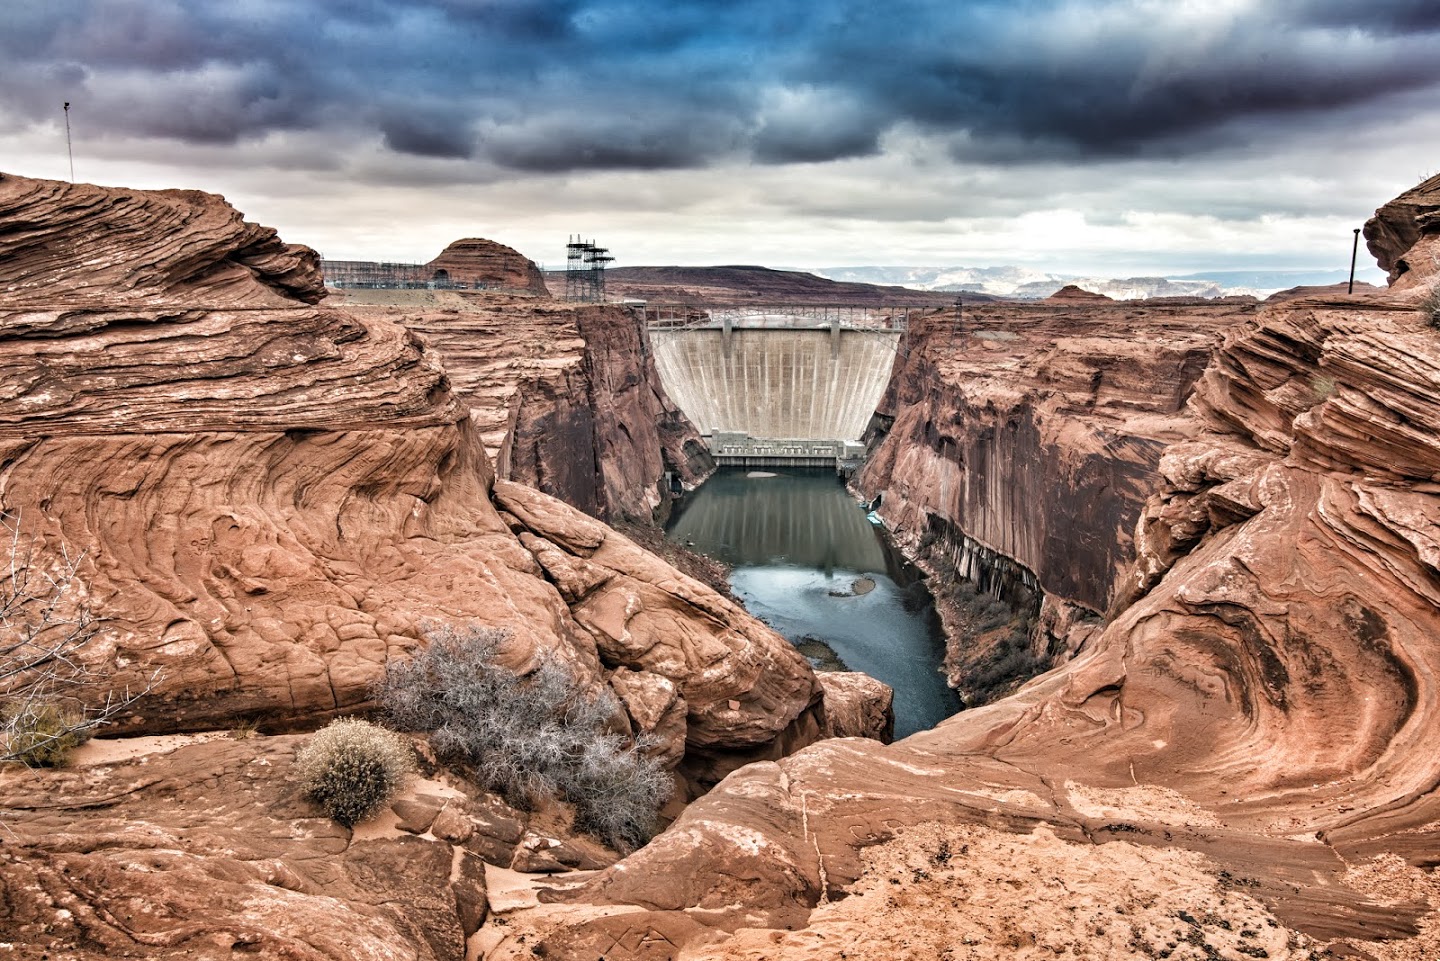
{"x":1216,"y":521}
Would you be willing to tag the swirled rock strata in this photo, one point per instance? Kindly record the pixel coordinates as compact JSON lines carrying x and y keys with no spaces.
{"x":271,"y":498}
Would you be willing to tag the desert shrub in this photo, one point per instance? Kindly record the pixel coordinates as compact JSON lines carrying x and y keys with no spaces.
{"x":528,"y":737}
{"x":353,"y":768}
{"x":1430,"y":307}
{"x":43,"y":735}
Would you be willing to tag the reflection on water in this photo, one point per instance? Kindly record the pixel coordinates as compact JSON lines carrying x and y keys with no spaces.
{"x":798,"y":542}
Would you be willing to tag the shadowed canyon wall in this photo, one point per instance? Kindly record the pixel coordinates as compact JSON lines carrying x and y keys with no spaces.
{"x":1017,"y":444}
{"x":566,"y":397}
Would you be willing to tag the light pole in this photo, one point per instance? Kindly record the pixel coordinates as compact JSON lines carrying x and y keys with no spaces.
{"x":1354,"y":249}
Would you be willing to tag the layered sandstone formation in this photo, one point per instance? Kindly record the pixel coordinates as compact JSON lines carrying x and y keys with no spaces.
{"x":272,"y":498}
{"x":477,"y":262}
{"x":1257,"y":717}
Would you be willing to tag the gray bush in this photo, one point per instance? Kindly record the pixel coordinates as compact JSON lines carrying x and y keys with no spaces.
{"x":528,"y":738}
{"x":353,"y":768}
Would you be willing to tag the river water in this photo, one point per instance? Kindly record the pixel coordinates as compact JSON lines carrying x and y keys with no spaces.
{"x":804,"y":558}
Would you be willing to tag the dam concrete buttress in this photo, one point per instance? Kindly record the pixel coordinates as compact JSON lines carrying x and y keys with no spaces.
{"x":797,"y":385}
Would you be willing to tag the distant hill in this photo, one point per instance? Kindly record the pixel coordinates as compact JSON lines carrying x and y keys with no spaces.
{"x":738,"y":284}
{"x":1030,"y":284}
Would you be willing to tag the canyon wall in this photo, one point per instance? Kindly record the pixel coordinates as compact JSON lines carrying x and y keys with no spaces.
{"x":566,"y":397}
{"x":1014,"y":449}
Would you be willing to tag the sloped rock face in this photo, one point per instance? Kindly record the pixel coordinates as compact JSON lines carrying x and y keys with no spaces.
{"x":566,"y":398}
{"x":479,"y":262}
{"x":1404,"y":236}
{"x":1265,"y":694}
{"x":273,"y":498}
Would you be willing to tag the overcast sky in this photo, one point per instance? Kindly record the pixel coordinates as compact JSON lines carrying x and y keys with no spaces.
{"x":1092,"y":136}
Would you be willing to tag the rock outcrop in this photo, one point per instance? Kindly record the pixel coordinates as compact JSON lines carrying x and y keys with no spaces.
{"x":1263,"y":701}
{"x":272,"y":498}
{"x":566,"y":397}
{"x":1404,"y":236}
{"x":211,"y":851}
{"x":477,"y":262}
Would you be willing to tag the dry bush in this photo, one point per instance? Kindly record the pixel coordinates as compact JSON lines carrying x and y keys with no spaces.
{"x":528,"y":738}
{"x":1430,"y":307}
{"x":353,"y":768}
{"x":45,"y":629}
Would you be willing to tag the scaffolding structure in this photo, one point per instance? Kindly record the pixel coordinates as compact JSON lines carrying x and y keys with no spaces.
{"x":585,"y":264}
{"x":368,"y":274}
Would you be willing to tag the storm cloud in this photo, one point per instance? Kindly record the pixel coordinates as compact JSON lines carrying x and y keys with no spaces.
{"x":669,"y":84}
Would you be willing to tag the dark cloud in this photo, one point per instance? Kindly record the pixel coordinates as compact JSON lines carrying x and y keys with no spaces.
{"x":433,"y":135}
{"x":652,"y":84}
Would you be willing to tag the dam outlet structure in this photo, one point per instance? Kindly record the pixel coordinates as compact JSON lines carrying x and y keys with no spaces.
{"x":777,"y":386}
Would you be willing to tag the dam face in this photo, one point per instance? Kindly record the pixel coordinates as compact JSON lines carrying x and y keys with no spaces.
{"x":777,"y":396}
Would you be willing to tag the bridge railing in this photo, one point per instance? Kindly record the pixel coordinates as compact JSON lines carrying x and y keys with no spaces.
{"x":776,"y":316}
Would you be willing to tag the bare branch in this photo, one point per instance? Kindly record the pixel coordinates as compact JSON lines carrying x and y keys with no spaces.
{"x":45,"y":629}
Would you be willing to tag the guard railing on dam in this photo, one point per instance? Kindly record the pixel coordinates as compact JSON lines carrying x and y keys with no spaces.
{"x":775,"y":316}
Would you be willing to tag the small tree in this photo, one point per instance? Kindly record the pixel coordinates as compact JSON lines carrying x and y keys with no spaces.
{"x":45,"y":628}
{"x":528,"y":738}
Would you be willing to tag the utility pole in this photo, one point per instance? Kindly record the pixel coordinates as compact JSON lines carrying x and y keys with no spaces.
{"x":70,"y":150}
{"x":1354,"y":250}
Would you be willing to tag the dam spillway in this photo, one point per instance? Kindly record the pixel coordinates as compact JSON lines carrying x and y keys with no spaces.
{"x":776,"y":396}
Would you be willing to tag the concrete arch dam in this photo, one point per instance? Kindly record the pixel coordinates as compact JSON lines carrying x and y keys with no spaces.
{"x":777,"y":397}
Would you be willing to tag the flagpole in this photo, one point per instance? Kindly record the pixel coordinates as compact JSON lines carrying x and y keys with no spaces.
{"x":70,"y":150}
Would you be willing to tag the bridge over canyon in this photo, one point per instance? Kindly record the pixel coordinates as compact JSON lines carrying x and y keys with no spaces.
{"x":775,"y":384}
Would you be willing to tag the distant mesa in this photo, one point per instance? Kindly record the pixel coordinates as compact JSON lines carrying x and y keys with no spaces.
{"x":1071,"y":294}
{"x":479,"y":262}
{"x":473,"y":263}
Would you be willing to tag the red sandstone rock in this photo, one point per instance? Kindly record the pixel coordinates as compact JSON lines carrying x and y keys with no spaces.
{"x":1020,"y":442}
{"x":1404,"y":235}
{"x":478,"y":262}
{"x":656,"y":709}
{"x":211,"y":851}
{"x":566,"y":397}
{"x":857,"y":705}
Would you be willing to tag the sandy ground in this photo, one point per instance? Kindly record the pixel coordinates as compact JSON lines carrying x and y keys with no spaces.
{"x":970,"y":893}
